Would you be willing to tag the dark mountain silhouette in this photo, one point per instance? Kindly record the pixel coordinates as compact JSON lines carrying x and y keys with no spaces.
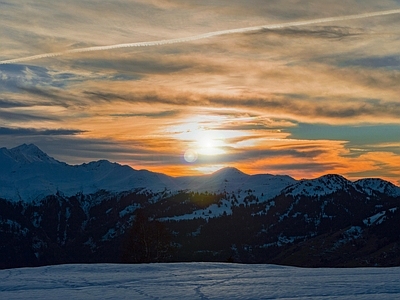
{"x":51,"y":213}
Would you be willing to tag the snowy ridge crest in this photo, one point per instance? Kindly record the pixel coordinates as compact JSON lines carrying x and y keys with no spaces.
{"x":26,"y":154}
{"x":374,"y":185}
{"x":27,"y":173}
{"x":322,"y":186}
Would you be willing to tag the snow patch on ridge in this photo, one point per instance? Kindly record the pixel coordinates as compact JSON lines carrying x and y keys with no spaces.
{"x":212,"y":211}
{"x":322,"y":186}
{"x":378,"y":218}
{"x":373,"y":185}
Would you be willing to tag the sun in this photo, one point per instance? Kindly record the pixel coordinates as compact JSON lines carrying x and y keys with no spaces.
{"x":199,"y":137}
{"x":209,"y":144}
{"x":203,"y":143}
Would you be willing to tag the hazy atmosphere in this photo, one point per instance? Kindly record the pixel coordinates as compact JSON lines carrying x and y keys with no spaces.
{"x":302,"y":88}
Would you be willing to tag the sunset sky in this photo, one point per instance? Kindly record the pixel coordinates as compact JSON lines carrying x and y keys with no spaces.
{"x":304,"y":99}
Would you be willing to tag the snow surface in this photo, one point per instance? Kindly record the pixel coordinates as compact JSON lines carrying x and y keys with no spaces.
{"x":378,"y":218}
{"x":197,"y":281}
{"x":212,"y":211}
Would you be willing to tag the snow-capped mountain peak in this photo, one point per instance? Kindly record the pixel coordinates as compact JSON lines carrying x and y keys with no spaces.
{"x":373,"y":185}
{"x":99,"y":165}
{"x":324,"y":185}
{"x":334,"y":179}
{"x":228,"y":173}
{"x":29,"y":154}
{"x":27,"y":173}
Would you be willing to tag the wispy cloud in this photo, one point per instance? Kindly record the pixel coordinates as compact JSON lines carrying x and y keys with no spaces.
{"x":202,"y":36}
{"x":337,"y":108}
{"x":14,"y":117}
{"x":37,"y":132}
{"x":161,"y":114}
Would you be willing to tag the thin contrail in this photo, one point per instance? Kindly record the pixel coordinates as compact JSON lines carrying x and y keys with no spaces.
{"x":203,"y":36}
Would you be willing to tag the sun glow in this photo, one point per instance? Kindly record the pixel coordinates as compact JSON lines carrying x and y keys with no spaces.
{"x":198,"y":138}
{"x":209,"y":144}
{"x":203,"y":143}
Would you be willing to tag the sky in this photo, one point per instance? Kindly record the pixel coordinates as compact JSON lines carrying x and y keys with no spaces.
{"x":188,"y":87}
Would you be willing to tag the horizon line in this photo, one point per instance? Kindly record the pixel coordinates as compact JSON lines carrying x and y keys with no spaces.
{"x":199,"y":175}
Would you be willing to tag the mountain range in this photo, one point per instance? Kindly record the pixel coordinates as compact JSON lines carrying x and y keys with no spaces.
{"x":52,"y":212}
{"x":27,"y":173}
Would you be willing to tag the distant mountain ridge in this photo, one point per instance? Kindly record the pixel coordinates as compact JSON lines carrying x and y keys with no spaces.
{"x":331,"y":183}
{"x":30,"y":174}
{"x":52,"y":212}
{"x":25,"y":154}
{"x":27,"y":173}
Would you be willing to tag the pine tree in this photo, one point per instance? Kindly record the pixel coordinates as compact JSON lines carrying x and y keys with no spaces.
{"x":147,"y":241}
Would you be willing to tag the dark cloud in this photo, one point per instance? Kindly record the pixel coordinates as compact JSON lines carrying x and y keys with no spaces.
{"x":155,"y":115}
{"x":340,"y":108}
{"x":234,"y":156}
{"x":360,"y":107}
{"x":25,"y":117}
{"x":309,"y":167}
{"x":254,"y":123}
{"x":107,"y":97}
{"x":137,"y":65}
{"x":358,"y":71}
{"x":326,"y":32}
{"x":52,"y":95}
{"x":250,"y":126}
{"x":7,"y":103}
{"x":35,"y":132}
{"x":145,"y":97}
{"x":145,"y":65}
{"x":336,"y":107}
{"x":42,"y":96}
{"x":391,"y":62}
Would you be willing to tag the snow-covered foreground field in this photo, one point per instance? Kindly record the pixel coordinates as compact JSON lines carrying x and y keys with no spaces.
{"x":197,"y":281}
